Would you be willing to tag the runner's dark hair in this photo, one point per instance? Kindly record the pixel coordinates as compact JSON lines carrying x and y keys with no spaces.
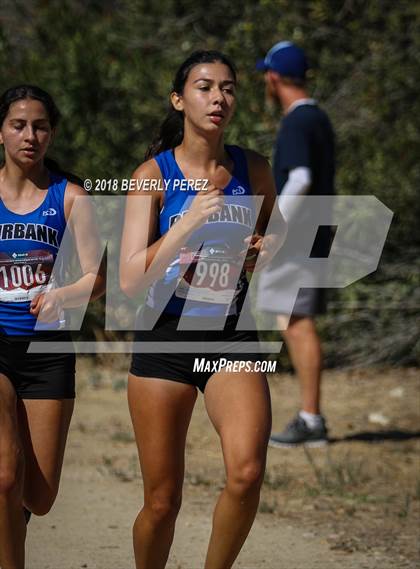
{"x":171,"y":130}
{"x":22,"y":92}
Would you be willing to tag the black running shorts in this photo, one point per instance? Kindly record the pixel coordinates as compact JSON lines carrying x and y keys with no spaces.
{"x":38,"y":375}
{"x":179,"y":366}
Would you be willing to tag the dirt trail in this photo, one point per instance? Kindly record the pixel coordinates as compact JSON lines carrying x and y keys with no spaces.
{"x":353,"y":506}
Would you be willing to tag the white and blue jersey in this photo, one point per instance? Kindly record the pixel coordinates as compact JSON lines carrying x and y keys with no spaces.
{"x":29,"y":245}
{"x":206,"y":278}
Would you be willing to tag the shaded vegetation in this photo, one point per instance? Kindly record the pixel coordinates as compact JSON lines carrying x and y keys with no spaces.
{"x":109,"y":65}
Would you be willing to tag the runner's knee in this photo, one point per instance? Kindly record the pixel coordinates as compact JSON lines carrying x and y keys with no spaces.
{"x":299,"y":329}
{"x":163,"y":506}
{"x":245,"y":477}
{"x":11,"y":471}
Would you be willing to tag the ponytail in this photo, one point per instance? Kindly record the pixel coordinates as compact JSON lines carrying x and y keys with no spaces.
{"x":54,"y":166}
{"x":170,"y":134}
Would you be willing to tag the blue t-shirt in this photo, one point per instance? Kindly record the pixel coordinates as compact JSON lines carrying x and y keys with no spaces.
{"x":29,"y":245}
{"x":206,"y":278}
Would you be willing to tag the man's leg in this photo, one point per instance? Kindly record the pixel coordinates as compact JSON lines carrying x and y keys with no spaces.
{"x":305,"y":352}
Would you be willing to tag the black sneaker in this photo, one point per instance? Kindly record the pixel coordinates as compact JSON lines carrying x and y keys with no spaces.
{"x":297,"y":432}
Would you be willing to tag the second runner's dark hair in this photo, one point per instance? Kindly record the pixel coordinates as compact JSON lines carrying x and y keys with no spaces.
{"x":22,"y":92}
{"x":172,"y":129}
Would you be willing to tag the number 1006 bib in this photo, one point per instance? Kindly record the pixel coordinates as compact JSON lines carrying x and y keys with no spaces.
{"x":23,"y":275}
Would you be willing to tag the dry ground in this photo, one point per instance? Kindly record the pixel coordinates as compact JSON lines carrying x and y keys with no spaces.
{"x":353,"y":505}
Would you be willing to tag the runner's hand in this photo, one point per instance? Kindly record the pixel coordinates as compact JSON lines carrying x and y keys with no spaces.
{"x":261,"y":249}
{"x":47,"y":307}
{"x":206,"y":203}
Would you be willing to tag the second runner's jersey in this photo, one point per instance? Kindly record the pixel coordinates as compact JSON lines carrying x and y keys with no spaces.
{"x":29,"y":245}
{"x":207,"y":276}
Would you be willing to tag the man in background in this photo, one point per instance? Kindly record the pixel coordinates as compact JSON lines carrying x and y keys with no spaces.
{"x":303,"y":164}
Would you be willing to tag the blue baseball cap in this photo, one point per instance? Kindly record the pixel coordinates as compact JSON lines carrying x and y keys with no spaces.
{"x":286,"y":58}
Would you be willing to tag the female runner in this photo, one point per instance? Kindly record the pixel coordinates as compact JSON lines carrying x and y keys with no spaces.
{"x":208,"y":231}
{"x":36,"y":389}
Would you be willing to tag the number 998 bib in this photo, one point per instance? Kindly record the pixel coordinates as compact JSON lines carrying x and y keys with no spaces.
{"x":209,"y":275}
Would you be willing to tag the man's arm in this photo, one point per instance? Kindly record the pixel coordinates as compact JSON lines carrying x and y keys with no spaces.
{"x":292,"y":165}
{"x":298,"y":184}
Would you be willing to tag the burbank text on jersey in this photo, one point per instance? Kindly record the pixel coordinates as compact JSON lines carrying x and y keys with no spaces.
{"x":232,"y":213}
{"x":29,"y":231}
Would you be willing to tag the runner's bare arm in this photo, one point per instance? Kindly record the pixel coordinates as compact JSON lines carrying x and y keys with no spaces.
{"x":262,"y":184}
{"x":144,"y":255}
{"x":80,"y":217}
{"x":263,"y":244}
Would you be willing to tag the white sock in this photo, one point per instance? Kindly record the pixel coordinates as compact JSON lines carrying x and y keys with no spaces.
{"x":313,"y":421}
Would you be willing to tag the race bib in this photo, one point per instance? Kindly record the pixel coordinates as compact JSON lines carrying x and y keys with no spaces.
{"x":211,"y":275}
{"x":23,"y":275}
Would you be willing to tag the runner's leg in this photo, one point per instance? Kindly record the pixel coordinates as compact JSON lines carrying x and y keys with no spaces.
{"x":239,"y":407}
{"x":12,"y":520}
{"x":44,"y":425}
{"x":160,"y":411}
